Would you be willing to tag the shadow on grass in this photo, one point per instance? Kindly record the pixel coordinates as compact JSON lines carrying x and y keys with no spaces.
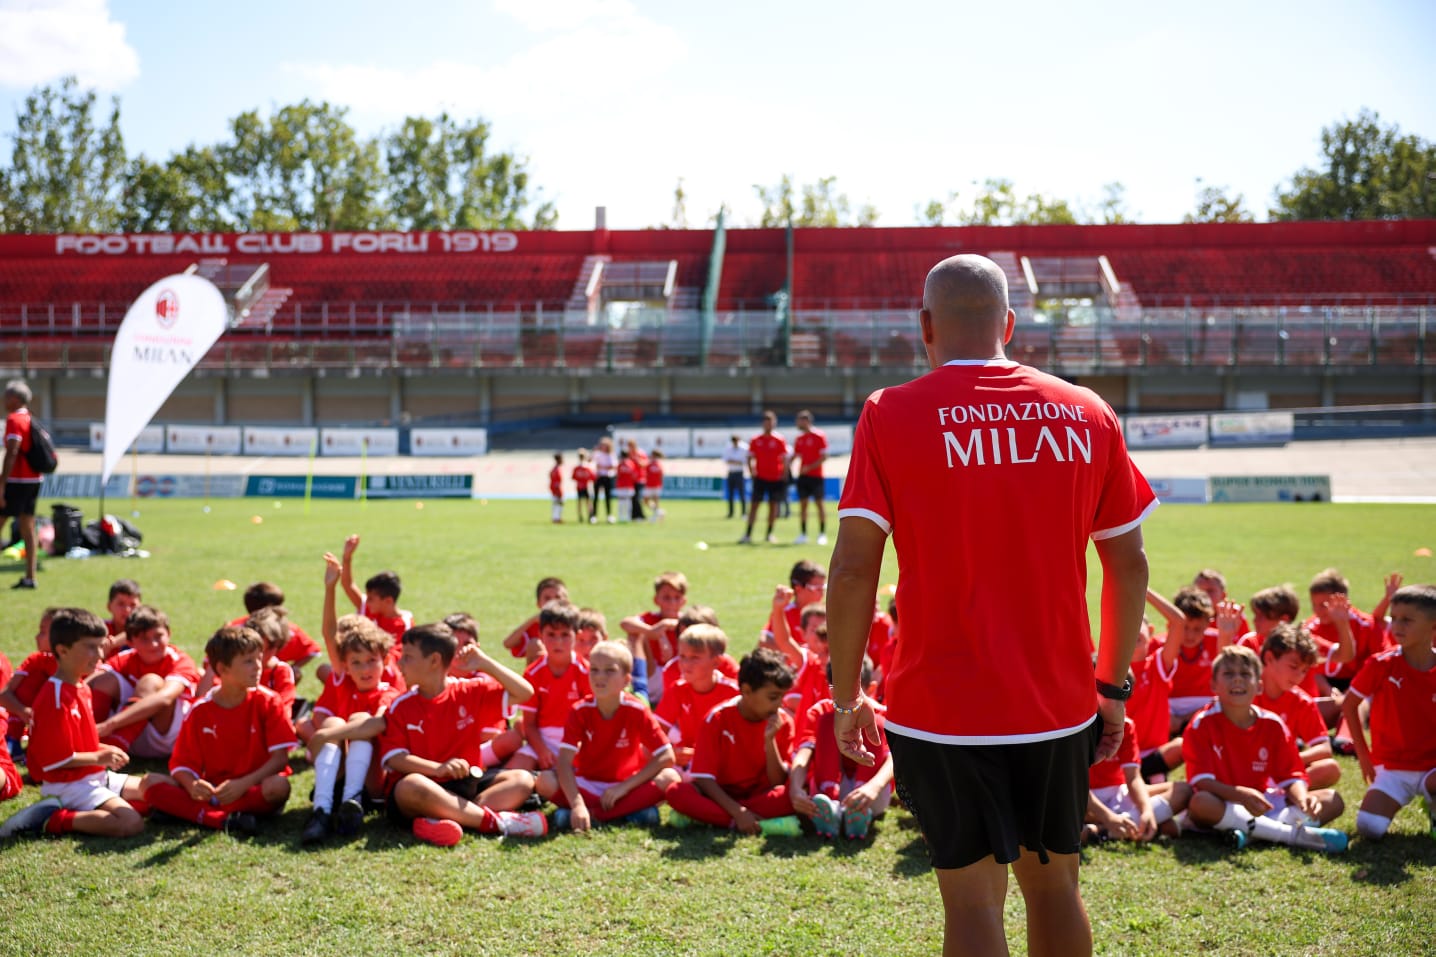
{"x":164,"y":855}
{"x":695,"y":843}
{"x":1388,"y":862}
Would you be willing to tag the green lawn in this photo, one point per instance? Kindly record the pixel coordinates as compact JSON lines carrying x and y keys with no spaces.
{"x":175,"y":890}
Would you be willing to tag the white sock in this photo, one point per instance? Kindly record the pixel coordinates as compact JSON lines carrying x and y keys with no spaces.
{"x":1161,"y":809}
{"x":1234,"y":818}
{"x":1270,"y":829}
{"x":326,"y":773}
{"x":1293,"y":815}
{"x":557,"y":512}
{"x":356,"y":768}
{"x":1371,"y":826}
{"x":487,"y":755}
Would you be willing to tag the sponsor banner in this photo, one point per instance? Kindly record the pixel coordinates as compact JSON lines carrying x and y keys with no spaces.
{"x":1252,"y":428}
{"x":83,"y":486}
{"x":296,"y":442}
{"x":352,"y":441}
{"x":152,"y":438}
{"x":692,"y":486}
{"x":219,"y":439}
{"x":1166,"y":431}
{"x":1180,"y":491}
{"x":673,"y":443}
{"x":448,"y":442}
{"x":710,"y":443}
{"x":1271,"y":488}
{"x":420,"y":486}
{"x":163,"y":336}
{"x":283,"y":244}
{"x":189,"y":486}
{"x":292,"y":486}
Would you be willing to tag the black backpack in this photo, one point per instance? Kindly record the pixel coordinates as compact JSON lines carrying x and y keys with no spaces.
{"x":41,"y":453}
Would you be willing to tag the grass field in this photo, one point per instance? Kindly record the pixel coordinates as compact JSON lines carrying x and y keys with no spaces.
{"x":175,"y":890}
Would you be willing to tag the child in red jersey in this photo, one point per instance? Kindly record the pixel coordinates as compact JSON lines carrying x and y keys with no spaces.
{"x":559,"y":681}
{"x":837,"y":793}
{"x":355,"y":693}
{"x":10,"y":782}
{"x":1214,"y":585}
{"x":380,"y":601}
{"x":809,"y":659}
{"x":153,"y":684}
{"x":275,"y":674}
{"x":1287,"y":656}
{"x":1148,"y":708}
{"x":625,"y":484}
{"x":1119,"y":802}
{"x":78,"y":781}
{"x":523,"y":641}
{"x":1188,"y":649}
{"x":124,"y":598}
{"x":659,"y":629}
{"x":700,"y":688}
{"x":1332,"y":611}
{"x":500,"y":739}
{"x":810,"y":450}
{"x":740,"y":760}
{"x":298,"y":649}
{"x":809,"y":583}
{"x":555,"y":487}
{"x":432,"y":749}
{"x":768,"y":463}
{"x":725,"y":663}
{"x":22,"y":686}
{"x":582,"y":479}
{"x":1246,"y":775}
{"x":653,"y":485}
{"x":615,"y":761}
{"x":1400,"y":763}
{"x":592,"y":628}
{"x":231,"y":762}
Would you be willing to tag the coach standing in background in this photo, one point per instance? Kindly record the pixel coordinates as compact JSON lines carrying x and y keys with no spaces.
{"x":22,"y":483}
{"x":991,"y":477}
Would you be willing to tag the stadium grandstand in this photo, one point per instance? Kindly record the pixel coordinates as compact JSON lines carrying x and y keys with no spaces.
{"x":506,"y":329}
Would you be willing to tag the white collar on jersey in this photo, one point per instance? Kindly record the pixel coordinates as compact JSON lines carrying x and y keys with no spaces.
{"x":1002,"y":363}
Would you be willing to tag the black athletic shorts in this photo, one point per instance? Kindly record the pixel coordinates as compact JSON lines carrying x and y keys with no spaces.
{"x":20,"y":498}
{"x":972,"y":801}
{"x":810,"y":486}
{"x":774,"y":492}
{"x":468,"y":788}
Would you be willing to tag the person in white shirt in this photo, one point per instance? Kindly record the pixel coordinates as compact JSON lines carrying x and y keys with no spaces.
{"x":735,"y":458}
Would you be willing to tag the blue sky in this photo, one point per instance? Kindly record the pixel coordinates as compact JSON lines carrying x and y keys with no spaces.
{"x":614,"y":100}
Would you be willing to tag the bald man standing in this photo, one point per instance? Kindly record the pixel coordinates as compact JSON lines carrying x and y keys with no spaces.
{"x":991,"y":477}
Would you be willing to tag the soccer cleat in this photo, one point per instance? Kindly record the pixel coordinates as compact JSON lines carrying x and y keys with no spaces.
{"x":562,"y":819}
{"x":24,"y":583}
{"x":787,"y":826}
{"x":349,"y":818}
{"x":1238,"y":839}
{"x":1326,"y":839}
{"x":523,"y":824}
{"x":772,"y":539}
{"x":746,"y":540}
{"x":822,"y":539}
{"x":801,"y":539}
{"x":316,"y":829}
{"x":678,"y":819}
{"x":826,"y":821}
{"x":240,"y":824}
{"x":612,"y":520}
{"x":856,"y":823}
{"x":433,"y":830}
{"x":31,"y":820}
{"x":644,"y":817}
{"x":17,"y":750}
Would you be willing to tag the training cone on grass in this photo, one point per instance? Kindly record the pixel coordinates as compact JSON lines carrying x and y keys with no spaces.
{"x":224,"y":584}
{"x":419,"y":505}
{"x":257,"y":519}
{"x":1422,"y":553}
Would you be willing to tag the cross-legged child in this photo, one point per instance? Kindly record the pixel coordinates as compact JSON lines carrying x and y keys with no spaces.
{"x":353,"y":694}
{"x":1400,"y":763}
{"x":523,"y":642}
{"x":22,"y":686}
{"x":380,"y":600}
{"x":615,"y":761}
{"x":700,"y":689}
{"x":1287,"y":656}
{"x":80,"y":787}
{"x":740,"y":760}
{"x":500,"y":739}
{"x":559,"y":681}
{"x":1246,"y":775}
{"x":1121,"y":805}
{"x":142,"y":698}
{"x":433,"y":752}
{"x":231,"y":762}
{"x":836,"y":793}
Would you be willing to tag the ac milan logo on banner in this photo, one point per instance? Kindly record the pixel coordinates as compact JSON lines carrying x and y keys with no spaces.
{"x":167,"y":309}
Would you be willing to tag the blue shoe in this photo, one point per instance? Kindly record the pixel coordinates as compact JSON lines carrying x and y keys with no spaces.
{"x":1238,"y":838}
{"x":645,"y":817}
{"x":856,"y":823}
{"x":31,"y":820}
{"x":1333,"y":841}
{"x":827,"y":820}
{"x":562,"y":819}
{"x":17,"y":751}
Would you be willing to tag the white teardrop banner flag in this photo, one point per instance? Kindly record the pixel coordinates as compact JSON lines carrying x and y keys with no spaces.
{"x":164,"y":335}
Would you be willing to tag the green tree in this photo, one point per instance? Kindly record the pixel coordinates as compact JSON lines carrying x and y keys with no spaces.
{"x":679,"y":219}
{"x":997,"y":204}
{"x":442,"y":176}
{"x":813,"y":204}
{"x":1112,"y":208}
{"x":188,"y":193}
{"x":1367,"y":171}
{"x":1216,"y":205}
{"x":67,"y":168}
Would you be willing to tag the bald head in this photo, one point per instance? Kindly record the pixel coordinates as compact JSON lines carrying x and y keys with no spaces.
{"x":966,"y":298}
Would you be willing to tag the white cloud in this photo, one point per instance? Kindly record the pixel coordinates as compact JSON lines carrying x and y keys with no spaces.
{"x":43,"y":40}
{"x":565,"y":14}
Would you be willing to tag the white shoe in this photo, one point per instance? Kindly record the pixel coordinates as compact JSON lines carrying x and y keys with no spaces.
{"x":746,"y":540}
{"x":822,"y":539}
{"x":772,"y":539}
{"x":801,"y":540}
{"x":612,"y":520}
{"x":526,"y":824}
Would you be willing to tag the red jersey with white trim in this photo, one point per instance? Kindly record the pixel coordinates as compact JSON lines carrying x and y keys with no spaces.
{"x":1147,"y":707}
{"x":35,"y":670}
{"x":18,"y":429}
{"x":1369,"y":636}
{"x":820,"y":719}
{"x":1403,"y":711}
{"x":1110,"y":773}
{"x":1255,"y":640}
{"x":278,"y":677}
{"x":809,"y":447}
{"x":1192,"y":669}
{"x":810,"y":687}
{"x":440,"y":728}
{"x":723,"y":664}
{"x":582,"y":477}
{"x":992,"y":477}
{"x":11,"y":783}
{"x":655,"y":651}
{"x":64,"y":725}
{"x":1261,"y":756}
{"x":627,"y":475}
{"x":555,"y":482}
{"x":555,"y":695}
{"x":1299,"y":713}
{"x":174,"y":666}
{"x":769,"y":452}
{"x":299,"y":647}
{"x":653,"y":475}
{"x":218,"y":744}
{"x":612,"y":749}
{"x":683,"y":709}
{"x":342,"y":698}
{"x":731,"y":749}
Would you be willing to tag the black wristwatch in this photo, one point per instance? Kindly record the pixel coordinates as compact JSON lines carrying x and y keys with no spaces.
{"x":1115,"y":692}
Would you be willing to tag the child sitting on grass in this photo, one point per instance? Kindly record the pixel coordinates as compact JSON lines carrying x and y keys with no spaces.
{"x":559,"y":681}
{"x":835,"y":792}
{"x":22,"y":686}
{"x":380,"y":600}
{"x":701,"y":688}
{"x":1287,"y":657}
